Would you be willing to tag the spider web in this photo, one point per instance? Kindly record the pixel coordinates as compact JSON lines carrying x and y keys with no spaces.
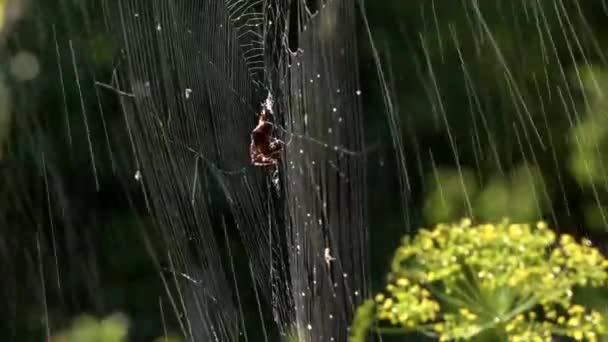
{"x":192,"y":88}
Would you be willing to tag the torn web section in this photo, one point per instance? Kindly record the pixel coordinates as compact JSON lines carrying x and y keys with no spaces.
{"x":325,"y":176}
{"x":189,"y":117}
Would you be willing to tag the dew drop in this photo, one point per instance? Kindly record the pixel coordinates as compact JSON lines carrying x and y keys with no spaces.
{"x":309,"y":327}
{"x":187,"y":92}
{"x":158,"y":27}
{"x":358,"y":92}
{"x":334,"y":109}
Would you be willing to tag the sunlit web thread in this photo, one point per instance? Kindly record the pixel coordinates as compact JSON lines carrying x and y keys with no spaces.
{"x":392,"y":115}
{"x":164,"y":46}
{"x":326,"y":213}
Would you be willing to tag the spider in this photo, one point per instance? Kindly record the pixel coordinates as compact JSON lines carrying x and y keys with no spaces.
{"x":264,"y":149}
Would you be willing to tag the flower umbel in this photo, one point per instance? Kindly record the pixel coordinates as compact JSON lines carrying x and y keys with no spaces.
{"x":512,"y":280}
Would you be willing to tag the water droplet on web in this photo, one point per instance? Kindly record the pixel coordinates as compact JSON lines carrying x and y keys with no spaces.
{"x":137,"y":175}
{"x":331,"y":316}
{"x":309,"y":327}
{"x":136,"y":15}
{"x":356,"y":293}
{"x":311,"y":80}
{"x":358,"y":92}
{"x":158,"y":27}
{"x":187,"y":92}
{"x":301,"y":151}
{"x":345,"y":275}
{"x":334,"y":109}
{"x":303,"y":294}
{"x":338,"y":90}
{"x":340,"y":119}
{"x":329,"y":130}
{"x":318,"y":75}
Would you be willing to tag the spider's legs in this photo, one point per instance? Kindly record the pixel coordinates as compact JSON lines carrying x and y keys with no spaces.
{"x":275,"y":145}
{"x":264,"y":160}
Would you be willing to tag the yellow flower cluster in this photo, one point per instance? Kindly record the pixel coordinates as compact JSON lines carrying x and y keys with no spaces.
{"x":408,"y":304}
{"x":457,"y":281}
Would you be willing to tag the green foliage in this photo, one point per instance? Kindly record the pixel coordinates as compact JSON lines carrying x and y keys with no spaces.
{"x":89,"y":329}
{"x":114,"y":328}
{"x":451,"y":190}
{"x":364,"y":318}
{"x":2,"y":13}
{"x":169,"y":338}
{"x":490,"y":282}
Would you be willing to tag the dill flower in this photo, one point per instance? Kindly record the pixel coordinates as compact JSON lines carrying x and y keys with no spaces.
{"x":515,"y":281}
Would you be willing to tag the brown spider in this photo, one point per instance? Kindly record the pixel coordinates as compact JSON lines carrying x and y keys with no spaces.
{"x":264,"y":149}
